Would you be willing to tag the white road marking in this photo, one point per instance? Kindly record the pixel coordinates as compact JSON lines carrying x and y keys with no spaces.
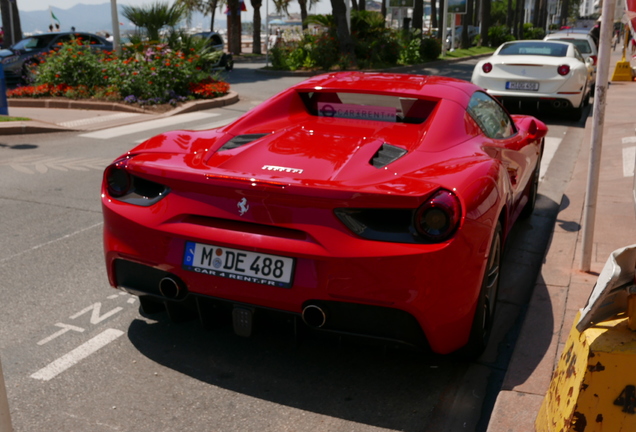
{"x":100,"y":119}
{"x":629,"y":156}
{"x":629,"y":140}
{"x":152,"y":124}
{"x":65,"y":328}
{"x":96,"y":308}
{"x":550,"y":147}
{"x":70,"y":359}
{"x":64,"y":237}
{"x":208,"y":126}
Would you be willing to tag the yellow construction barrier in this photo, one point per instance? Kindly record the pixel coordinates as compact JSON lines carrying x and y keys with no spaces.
{"x":623,"y":70}
{"x":593,"y":388}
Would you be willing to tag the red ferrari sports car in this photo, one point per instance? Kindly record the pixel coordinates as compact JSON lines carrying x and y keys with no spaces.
{"x":370,"y":204}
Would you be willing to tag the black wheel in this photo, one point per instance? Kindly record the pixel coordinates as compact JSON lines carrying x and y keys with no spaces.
{"x":229,"y":65}
{"x":532,"y":193}
{"x":485,"y":312}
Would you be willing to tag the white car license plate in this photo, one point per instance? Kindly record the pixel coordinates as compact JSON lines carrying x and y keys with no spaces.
{"x":522,"y":85}
{"x":238,"y":264}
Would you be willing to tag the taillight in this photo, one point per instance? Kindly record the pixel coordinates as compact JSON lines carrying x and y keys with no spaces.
{"x":563,"y":70}
{"x":118,"y":181}
{"x":486,"y":67}
{"x":438,"y":218}
{"x":594,"y":59}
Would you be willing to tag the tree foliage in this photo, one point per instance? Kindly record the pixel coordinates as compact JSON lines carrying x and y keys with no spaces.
{"x":154,"y":17}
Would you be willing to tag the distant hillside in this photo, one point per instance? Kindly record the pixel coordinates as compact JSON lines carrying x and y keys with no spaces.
{"x":96,"y":18}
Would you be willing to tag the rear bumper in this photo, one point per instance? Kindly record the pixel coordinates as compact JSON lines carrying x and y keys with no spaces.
{"x":434,"y":286}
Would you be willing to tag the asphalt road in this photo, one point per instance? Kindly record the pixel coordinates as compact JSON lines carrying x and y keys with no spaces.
{"x":78,"y":356}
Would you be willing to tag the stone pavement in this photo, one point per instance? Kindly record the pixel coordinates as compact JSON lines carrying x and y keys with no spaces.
{"x":562,"y":288}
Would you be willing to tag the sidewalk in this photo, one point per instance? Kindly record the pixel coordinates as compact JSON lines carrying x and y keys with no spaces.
{"x":50,"y":115}
{"x":561,"y":288}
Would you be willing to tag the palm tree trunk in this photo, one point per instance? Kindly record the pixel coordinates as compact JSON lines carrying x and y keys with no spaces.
{"x":342,"y":29}
{"x":256,"y":32}
{"x":234,"y":26}
{"x":485,"y":22}
{"x":10,"y":22}
{"x":418,"y":15}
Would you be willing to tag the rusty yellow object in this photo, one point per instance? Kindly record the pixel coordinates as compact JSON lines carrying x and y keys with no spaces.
{"x":593,"y":388}
{"x":622,"y":71}
{"x":631,"y":312}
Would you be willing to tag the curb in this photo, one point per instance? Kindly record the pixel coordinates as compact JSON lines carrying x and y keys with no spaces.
{"x":36,"y":126}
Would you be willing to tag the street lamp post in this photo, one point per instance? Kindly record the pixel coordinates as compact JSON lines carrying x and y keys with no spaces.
{"x":115,"y":19}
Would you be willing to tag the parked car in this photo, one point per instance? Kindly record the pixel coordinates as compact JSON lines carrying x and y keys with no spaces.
{"x":545,"y":74}
{"x":19,"y":58}
{"x":371,"y":204}
{"x":583,"y":41}
{"x":215,"y":42}
{"x":472,"y":32}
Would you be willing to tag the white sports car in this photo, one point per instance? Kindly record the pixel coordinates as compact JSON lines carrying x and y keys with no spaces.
{"x":546,"y":74}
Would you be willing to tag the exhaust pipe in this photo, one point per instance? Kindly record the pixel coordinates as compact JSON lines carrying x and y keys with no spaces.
{"x":169,"y":288}
{"x":556,"y":104}
{"x":314,"y":316}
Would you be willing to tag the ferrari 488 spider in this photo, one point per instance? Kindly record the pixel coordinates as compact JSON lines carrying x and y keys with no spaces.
{"x":369,"y":204}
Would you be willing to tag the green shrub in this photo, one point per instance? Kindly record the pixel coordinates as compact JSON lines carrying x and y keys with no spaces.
{"x":430,"y":49}
{"x":530,"y":32}
{"x":72,"y":62}
{"x":410,"y":53}
{"x":498,"y":35}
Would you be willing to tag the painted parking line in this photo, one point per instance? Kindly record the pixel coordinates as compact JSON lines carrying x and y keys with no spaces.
{"x":152,"y":124}
{"x":629,"y":156}
{"x":99,"y":119}
{"x":207,"y":126}
{"x":70,"y":359}
{"x":550,"y":146}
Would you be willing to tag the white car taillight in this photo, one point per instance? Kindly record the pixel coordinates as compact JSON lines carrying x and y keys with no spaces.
{"x":563,"y":70}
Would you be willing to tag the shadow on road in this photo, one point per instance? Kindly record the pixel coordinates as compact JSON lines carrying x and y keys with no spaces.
{"x":388,"y":388}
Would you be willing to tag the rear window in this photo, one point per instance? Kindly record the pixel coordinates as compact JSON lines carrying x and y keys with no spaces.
{"x":365,"y":106}
{"x":534,"y":48}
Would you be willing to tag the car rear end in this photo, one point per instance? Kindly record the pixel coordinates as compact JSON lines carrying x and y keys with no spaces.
{"x":552,"y":81}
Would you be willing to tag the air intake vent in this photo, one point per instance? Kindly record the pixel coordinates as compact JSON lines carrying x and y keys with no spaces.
{"x":241,"y":140}
{"x":388,"y":153}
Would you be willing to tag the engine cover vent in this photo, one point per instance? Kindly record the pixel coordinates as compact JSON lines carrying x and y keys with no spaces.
{"x":386,"y":154}
{"x":240,"y":140}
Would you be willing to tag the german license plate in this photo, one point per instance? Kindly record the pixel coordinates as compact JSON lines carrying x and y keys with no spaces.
{"x":522,"y":85}
{"x":238,"y":264}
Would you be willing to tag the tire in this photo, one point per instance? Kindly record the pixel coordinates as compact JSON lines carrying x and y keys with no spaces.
{"x":532,"y":193}
{"x":485,"y":311}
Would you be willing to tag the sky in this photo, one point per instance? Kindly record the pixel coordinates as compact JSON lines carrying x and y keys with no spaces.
{"x":324,"y":6}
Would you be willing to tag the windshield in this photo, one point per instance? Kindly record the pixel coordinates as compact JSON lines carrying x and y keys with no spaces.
{"x":581,"y":44}
{"x":534,"y":48}
{"x":31,"y":43}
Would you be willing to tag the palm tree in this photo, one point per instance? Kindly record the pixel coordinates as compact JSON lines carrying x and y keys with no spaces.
{"x":418,"y":15}
{"x":10,"y":15}
{"x":154,"y":17}
{"x":256,"y":31}
{"x":206,"y":7}
{"x":342,"y":29}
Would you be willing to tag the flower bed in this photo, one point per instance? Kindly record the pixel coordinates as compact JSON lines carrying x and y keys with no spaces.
{"x":143,"y":75}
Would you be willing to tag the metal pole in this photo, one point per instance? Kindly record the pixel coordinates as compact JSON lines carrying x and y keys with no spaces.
{"x":267,"y":32}
{"x":115,"y":19}
{"x":600,"y":97}
{"x":5,"y":417}
{"x":443,"y":29}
